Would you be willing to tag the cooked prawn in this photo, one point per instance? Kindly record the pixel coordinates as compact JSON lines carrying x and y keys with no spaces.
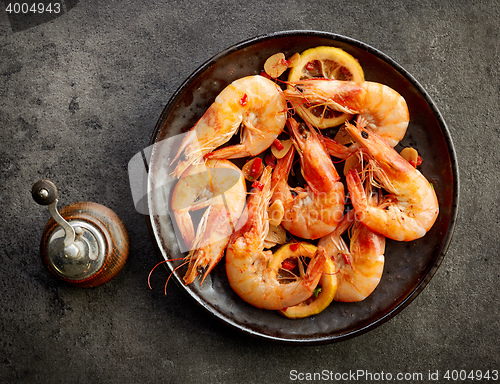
{"x":247,"y":265}
{"x":255,"y":103}
{"x":385,"y":109}
{"x":358,"y":267}
{"x":218,"y":186}
{"x":410,"y":209}
{"x":315,"y":210}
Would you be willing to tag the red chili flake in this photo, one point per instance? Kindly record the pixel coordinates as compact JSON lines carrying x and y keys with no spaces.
{"x":278,"y":145}
{"x":255,"y":170}
{"x":310,"y":66}
{"x":244,"y":99}
{"x":414,"y":163}
{"x":285,"y":62}
{"x":270,"y":160}
{"x":289,"y":263}
{"x":347,"y":260}
{"x":294,"y":247}
{"x":264,"y":74}
{"x":258,"y":185}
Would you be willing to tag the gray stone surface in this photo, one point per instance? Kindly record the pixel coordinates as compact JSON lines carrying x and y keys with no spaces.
{"x":80,"y":95}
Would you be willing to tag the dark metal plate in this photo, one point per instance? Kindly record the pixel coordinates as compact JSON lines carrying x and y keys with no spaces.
{"x":408,"y":267}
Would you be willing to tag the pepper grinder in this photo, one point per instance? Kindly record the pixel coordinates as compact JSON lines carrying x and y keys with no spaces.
{"x":85,"y":243}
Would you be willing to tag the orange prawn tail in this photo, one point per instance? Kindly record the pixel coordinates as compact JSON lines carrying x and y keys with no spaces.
{"x":345,"y":223}
{"x":337,"y":149}
{"x":283,"y":168}
{"x":315,"y":269}
{"x":357,"y":193}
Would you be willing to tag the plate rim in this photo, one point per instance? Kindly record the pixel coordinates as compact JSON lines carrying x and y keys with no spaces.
{"x":431,"y":270}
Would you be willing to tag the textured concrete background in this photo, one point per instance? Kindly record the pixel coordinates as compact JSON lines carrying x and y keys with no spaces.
{"x":80,"y":95}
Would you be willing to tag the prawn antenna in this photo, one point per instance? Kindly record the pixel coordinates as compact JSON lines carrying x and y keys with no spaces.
{"x":162,"y":262}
